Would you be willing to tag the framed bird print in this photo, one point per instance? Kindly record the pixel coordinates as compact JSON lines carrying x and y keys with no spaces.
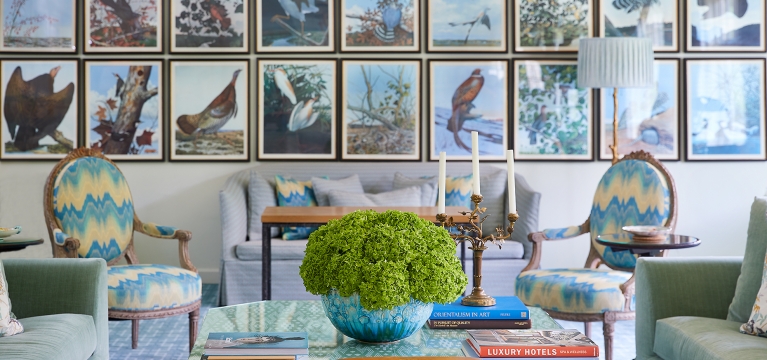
{"x":209,"y":110}
{"x":654,"y":19}
{"x":381,"y":110}
{"x":38,"y":26}
{"x":39,"y":108}
{"x":648,"y":118}
{"x":466,"y":96}
{"x":124,"y":107}
{"x":210,"y":26}
{"x":295,"y":26}
{"x":725,"y":110}
{"x":380,"y":26}
{"x":296,"y":109}
{"x":122,"y":26}
{"x":463,"y":26}
{"x":552,"y":116}
{"x":725,"y":26}
{"x":552,"y":25}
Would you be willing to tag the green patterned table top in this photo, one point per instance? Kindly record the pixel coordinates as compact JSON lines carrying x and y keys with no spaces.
{"x":325,"y":342}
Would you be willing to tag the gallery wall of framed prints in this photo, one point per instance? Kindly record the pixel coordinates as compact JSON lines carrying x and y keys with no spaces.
{"x":374,"y":80}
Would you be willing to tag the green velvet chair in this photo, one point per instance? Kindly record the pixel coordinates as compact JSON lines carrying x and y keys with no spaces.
{"x":637,"y":190}
{"x":62,"y":304}
{"x":89,"y":213}
{"x":692,"y":308}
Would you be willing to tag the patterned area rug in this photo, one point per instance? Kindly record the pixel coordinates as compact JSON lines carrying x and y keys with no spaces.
{"x":168,"y":339}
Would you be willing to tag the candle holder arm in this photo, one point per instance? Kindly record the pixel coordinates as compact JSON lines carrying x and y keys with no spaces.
{"x":537,"y":238}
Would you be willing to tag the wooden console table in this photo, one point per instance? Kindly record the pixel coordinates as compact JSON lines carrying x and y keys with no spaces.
{"x":320,"y":215}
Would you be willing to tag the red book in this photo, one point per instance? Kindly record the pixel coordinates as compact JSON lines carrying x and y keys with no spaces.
{"x":531,"y":343}
{"x":479,"y":324}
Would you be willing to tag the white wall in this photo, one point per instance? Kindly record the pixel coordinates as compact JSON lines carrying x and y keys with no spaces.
{"x":714,"y":203}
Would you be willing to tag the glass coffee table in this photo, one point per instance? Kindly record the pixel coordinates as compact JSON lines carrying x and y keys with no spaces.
{"x":325,"y":342}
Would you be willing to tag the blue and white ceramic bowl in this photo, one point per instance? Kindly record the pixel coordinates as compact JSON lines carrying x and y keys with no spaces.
{"x":375,"y":326}
{"x":6,"y":232}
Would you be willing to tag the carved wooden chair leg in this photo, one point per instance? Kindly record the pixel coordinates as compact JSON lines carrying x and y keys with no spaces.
{"x":134,"y":334}
{"x":608,"y":330}
{"x":587,"y":329}
{"x":194,"y":316}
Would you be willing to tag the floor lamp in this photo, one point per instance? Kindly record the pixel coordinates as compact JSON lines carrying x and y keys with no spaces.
{"x":615,"y":63}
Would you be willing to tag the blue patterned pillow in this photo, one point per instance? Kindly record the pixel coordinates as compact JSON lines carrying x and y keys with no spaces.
{"x":291,"y":192}
{"x":458,"y":191}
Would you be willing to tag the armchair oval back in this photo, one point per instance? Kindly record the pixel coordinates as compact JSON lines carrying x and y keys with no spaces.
{"x":91,"y":201}
{"x":637,"y":190}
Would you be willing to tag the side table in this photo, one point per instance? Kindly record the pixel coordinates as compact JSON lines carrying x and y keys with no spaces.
{"x":625,"y":242}
{"x":18,"y":243}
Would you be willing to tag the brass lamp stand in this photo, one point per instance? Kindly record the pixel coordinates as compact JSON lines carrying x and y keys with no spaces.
{"x":473,"y":234}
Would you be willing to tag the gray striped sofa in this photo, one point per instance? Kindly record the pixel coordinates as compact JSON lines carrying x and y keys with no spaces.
{"x":248,"y":192}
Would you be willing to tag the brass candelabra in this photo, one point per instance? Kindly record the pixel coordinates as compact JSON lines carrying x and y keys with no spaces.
{"x":473,"y":234}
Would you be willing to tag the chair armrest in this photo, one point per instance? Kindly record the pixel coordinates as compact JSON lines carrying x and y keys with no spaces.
{"x":64,"y":246}
{"x":168,"y":232}
{"x":234,"y":214}
{"x":40,"y":287}
{"x":667,"y":287}
{"x":537,"y":238}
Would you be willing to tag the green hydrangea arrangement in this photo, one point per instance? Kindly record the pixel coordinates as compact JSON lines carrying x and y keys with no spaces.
{"x":386,"y":257}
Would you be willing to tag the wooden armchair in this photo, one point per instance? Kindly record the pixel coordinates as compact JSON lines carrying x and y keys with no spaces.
{"x":637,"y":190}
{"x":89,"y":213}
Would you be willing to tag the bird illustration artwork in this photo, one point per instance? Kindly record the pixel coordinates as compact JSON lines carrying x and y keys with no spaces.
{"x":391,"y":16}
{"x":130,"y":20}
{"x":218,"y":12}
{"x":32,"y":110}
{"x":215,"y":115}
{"x":717,"y":8}
{"x":119,"y":85}
{"x":537,"y":125}
{"x":463,"y":97}
{"x":295,"y":10}
{"x":303,"y":115}
{"x":282,"y":82}
{"x":482,"y":19}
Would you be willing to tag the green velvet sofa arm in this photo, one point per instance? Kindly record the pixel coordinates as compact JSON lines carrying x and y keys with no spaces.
{"x":667,"y":287}
{"x":40,"y":287}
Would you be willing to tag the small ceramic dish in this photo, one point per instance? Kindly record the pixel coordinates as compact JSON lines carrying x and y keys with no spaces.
{"x":6,"y":232}
{"x":647,"y":231}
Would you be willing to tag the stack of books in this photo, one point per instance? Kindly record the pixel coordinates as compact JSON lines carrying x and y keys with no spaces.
{"x":529,"y":344}
{"x":508,"y":313}
{"x":257,"y":346}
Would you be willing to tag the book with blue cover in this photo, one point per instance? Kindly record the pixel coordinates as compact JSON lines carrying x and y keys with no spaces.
{"x":257,"y":343}
{"x":506,"y":307}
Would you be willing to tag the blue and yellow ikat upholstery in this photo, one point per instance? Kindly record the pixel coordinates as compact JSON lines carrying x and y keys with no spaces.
{"x":291,"y":192}
{"x":562,"y":233}
{"x":152,"y":287}
{"x":631,"y":192}
{"x":458,"y":190}
{"x":159,"y":231}
{"x":92,"y":203}
{"x":578,"y":291}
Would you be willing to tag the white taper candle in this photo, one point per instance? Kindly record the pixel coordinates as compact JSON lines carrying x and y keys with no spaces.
{"x":512,"y":188}
{"x":441,"y":198}
{"x":475,"y":160}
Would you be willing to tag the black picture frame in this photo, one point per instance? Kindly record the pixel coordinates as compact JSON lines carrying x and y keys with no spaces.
{"x":319,"y":139}
{"x":554,"y":30}
{"x":653,"y":122}
{"x":272,"y":19}
{"x":110,"y":105}
{"x":439,"y":139}
{"x":566,"y":98}
{"x":473,"y":20}
{"x":718,"y":127}
{"x":729,"y":41}
{"x":223,"y":22}
{"x":372,"y":133}
{"x":192,"y":101}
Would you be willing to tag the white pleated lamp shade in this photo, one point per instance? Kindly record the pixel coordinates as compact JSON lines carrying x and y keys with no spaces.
{"x":615,"y":63}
